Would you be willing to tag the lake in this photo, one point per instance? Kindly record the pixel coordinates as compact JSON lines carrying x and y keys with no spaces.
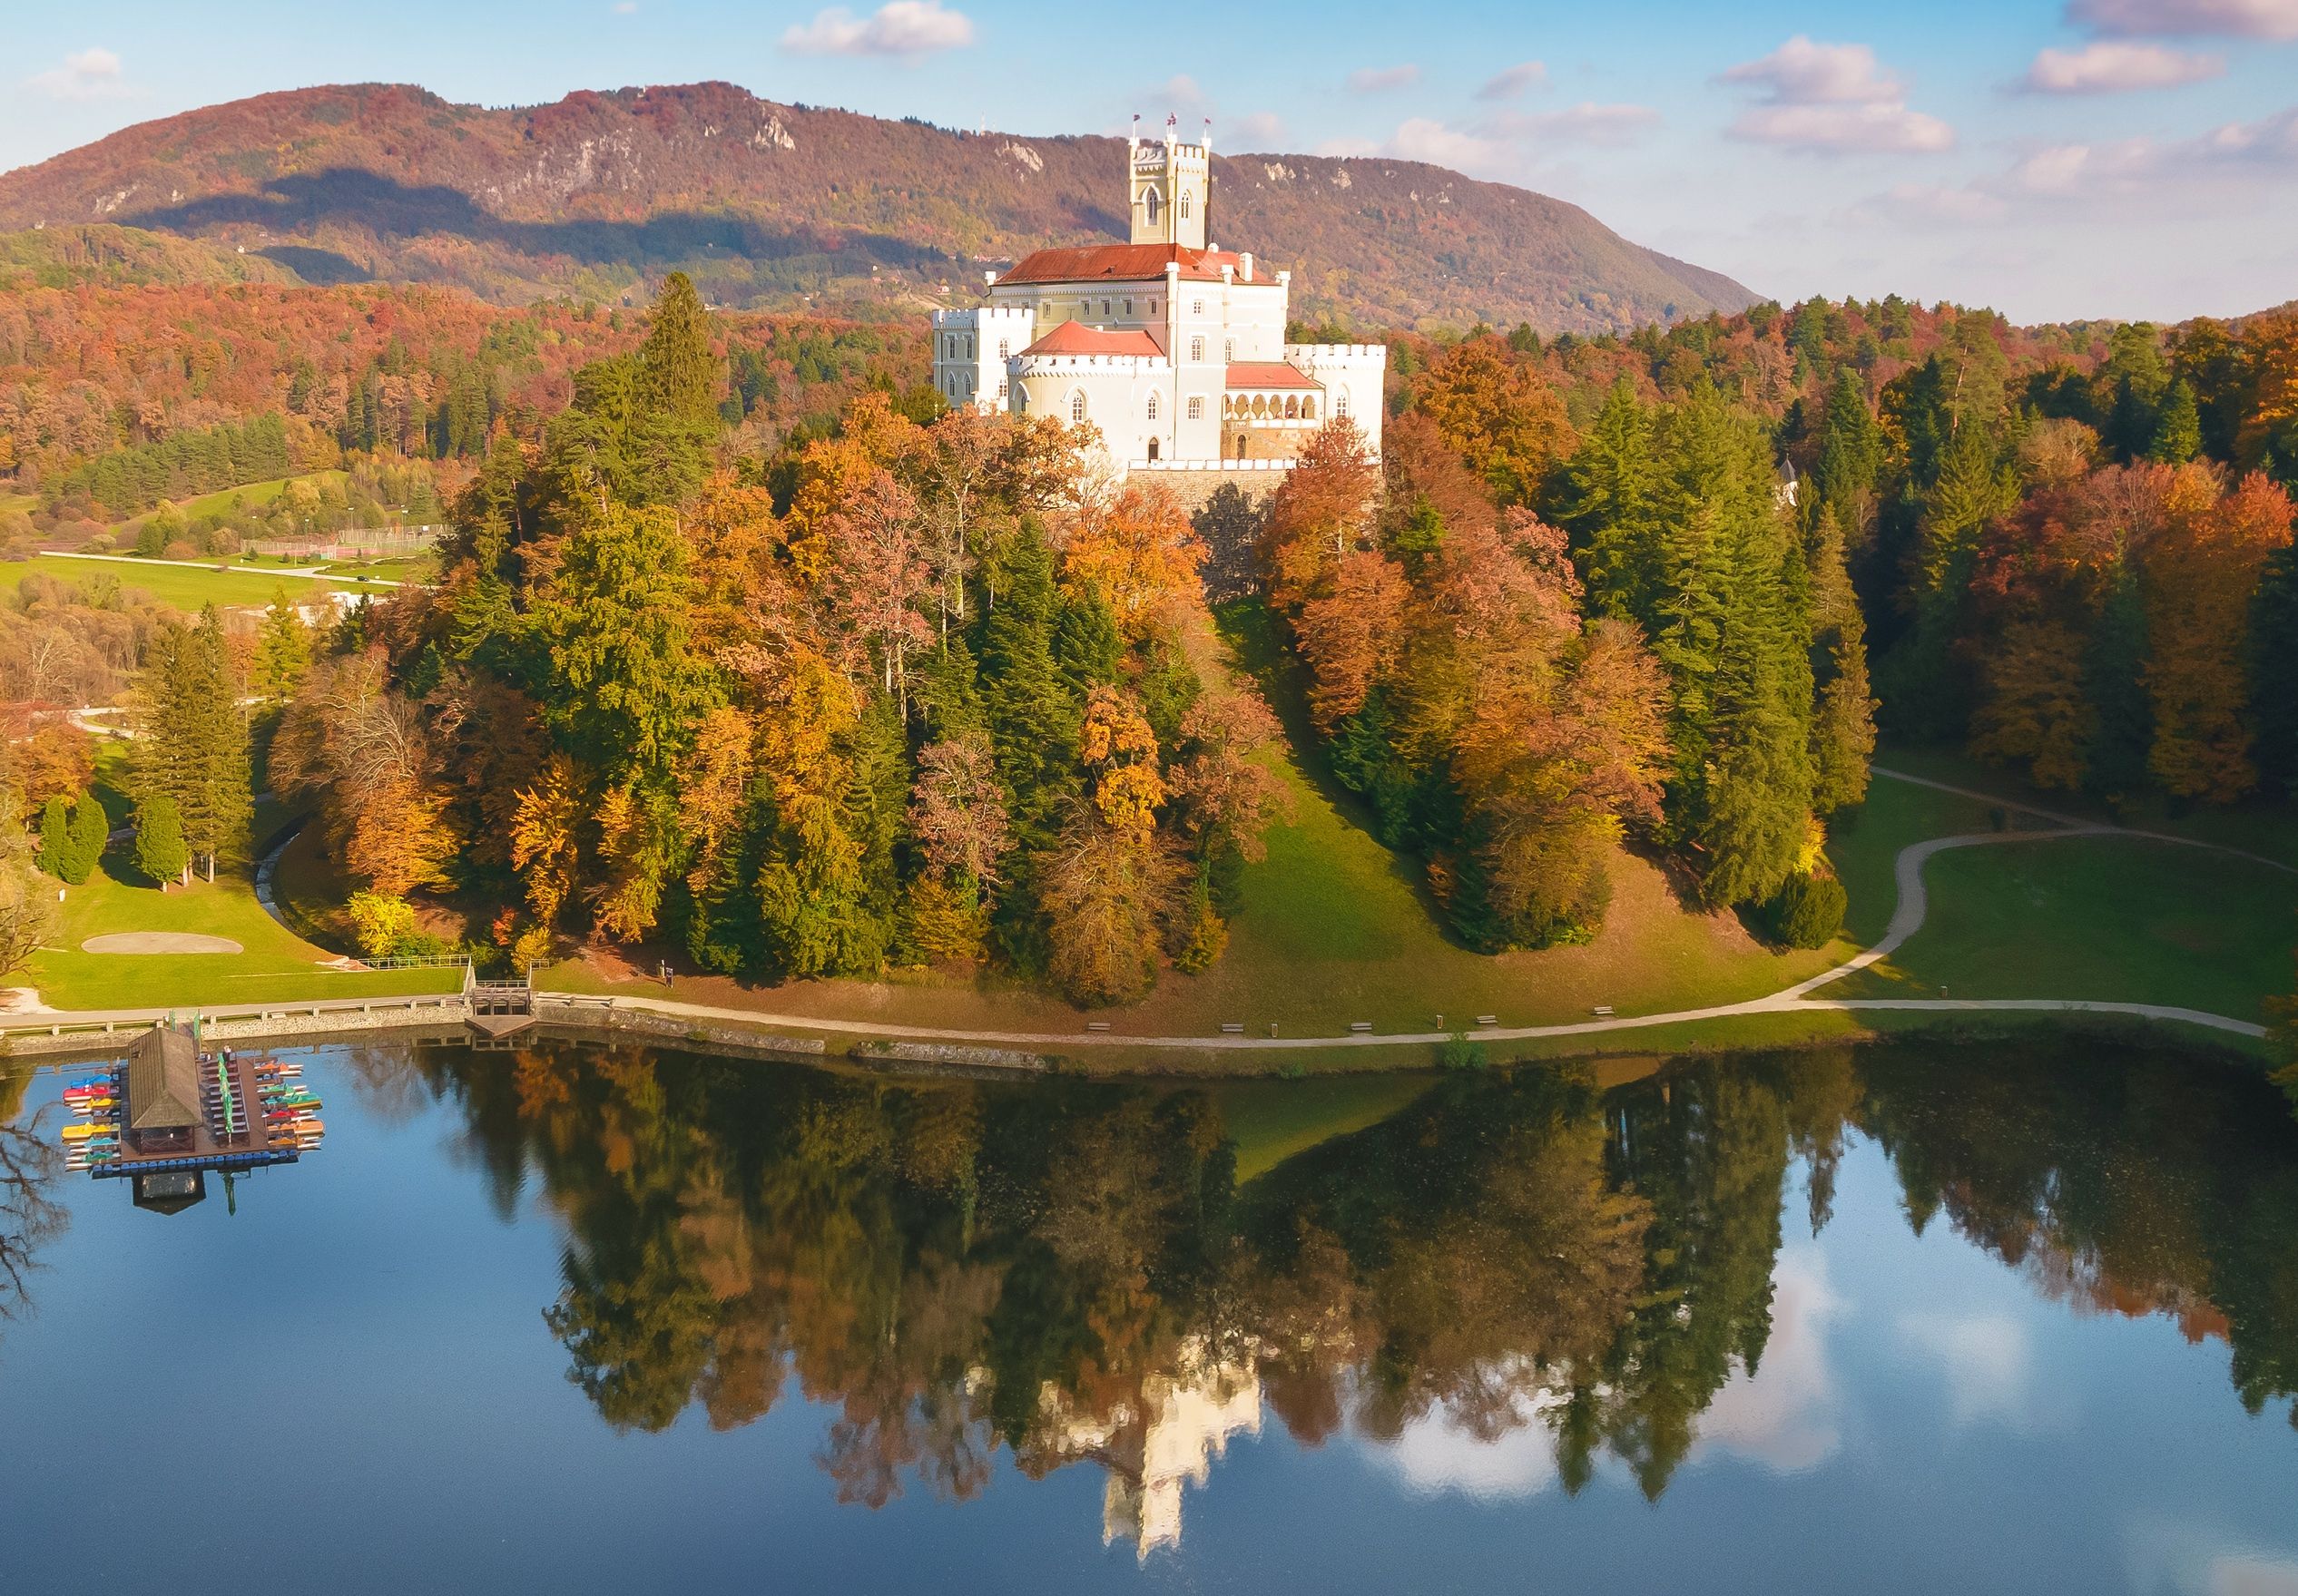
{"x":1912,"y":1317}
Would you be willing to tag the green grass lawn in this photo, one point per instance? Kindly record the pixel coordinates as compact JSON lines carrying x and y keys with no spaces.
{"x":250,"y":496}
{"x":276,"y":966}
{"x":351,"y":573}
{"x":182,"y":585}
{"x":2259,"y":824}
{"x":1271,"y":1121}
{"x":1863,"y":845}
{"x":2114,"y":918}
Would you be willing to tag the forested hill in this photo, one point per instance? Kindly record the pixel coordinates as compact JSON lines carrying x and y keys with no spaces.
{"x":763,"y":204}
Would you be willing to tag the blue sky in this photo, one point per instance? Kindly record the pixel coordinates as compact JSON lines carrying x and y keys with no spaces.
{"x":2052,"y":157}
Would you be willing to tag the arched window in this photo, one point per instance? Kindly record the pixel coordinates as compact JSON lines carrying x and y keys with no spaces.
{"x":1197,"y":409}
{"x":1292,"y":408}
{"x":1241,"y":445}
{"x":1153,"y":407}
{"x":1153,"y":448}
{"x":1197,"y":348}
{"x":1184,"y":204}
{"x":1260,"y":407}
{"x":1307,"y":410}
{"x":970,"y":346}
{"x":1341,"y":403}
{"x":1078,"y":407}
{"x":1021,"y":402}
{"x":1149,"y":202}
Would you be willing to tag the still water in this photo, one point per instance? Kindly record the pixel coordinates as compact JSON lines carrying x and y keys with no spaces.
{"x":574,"y":1319}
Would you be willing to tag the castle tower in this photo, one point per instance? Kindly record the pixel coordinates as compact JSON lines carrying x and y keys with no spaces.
{"x":1171,"y":184}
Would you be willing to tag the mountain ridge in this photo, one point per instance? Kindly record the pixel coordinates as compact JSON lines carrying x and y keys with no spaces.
{"x":769,"y":204}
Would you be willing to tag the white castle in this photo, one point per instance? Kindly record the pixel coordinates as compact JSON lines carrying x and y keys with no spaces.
{"x":1172,"y":348}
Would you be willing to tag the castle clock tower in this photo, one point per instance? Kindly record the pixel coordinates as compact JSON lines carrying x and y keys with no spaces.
{"x":1171,"y":184}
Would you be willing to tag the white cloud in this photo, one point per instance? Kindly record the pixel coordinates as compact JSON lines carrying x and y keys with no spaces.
{"x":1585,"y":123}
{"x":1802,"y":73}
{"x":1986,"y":1359}
{"x":1434,"y":1456}
{"x":2108,"y":66}
{"x":1513,"y":83}
{"x":1831,"y":98}
{"x":2236,"y":150}
{"x":2241,"y":19}
{"x":625,"y":7}
{"x":86,"y":75}
{"x":1255,"y":128}
{"x":1932,"y":203}
{"x":1784,"y":1416}
{"x":1421,"y":138}
{"x":1376,"y":80}
{"x":1888,"y":129}
{"x":907,"y":29}
{"x":1178,"y":92}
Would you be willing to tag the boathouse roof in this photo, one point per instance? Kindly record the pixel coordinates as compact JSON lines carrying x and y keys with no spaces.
{"x":163,"y":1081}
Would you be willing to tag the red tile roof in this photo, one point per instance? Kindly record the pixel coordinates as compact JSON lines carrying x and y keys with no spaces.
{"x":1075,"y":337}
{"x":1269,"y":374}
{"x":1127,"y":263}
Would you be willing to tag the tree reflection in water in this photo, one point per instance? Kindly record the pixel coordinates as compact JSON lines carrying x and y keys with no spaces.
{"x":1072,"y":1271}
{"x":30,"y":1217}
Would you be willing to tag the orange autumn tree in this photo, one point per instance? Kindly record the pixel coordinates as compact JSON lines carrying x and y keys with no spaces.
{"x":1139,"y":556}
{"x":2201,"y":575}
{"x":1343,"y":594}
{"x":1499,"y":415}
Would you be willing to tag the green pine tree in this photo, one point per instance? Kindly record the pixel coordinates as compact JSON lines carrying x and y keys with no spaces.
{"x":2179,"y":428}
{"x":160,"y":852}
{"x":1843,"y":710}
{"x":681,"y":373}
{"x":55,"y":837}
{"x":90,"y":830}
{"x":1606,"y":503}
{"x":282,"y":649}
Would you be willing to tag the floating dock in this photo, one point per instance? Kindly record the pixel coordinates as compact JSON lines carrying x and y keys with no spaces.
{"x":170,"y":1112}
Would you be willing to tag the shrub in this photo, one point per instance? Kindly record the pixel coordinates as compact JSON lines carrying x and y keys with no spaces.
{"x":1456,"y":1052}
{"x":384,"y":925}
{"x":1807,"y":910}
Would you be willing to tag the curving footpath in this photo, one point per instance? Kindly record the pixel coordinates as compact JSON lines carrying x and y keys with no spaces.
{"x":1906,"y":919}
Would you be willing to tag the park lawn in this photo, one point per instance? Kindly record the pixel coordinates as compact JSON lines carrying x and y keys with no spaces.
{"x":276,"y":966}
{"x":2259,"y":824}
{"x":251,"y":495}
{"x":178,"y":583}
{"x":411,"y":568}
{"x":2112,"y":919}
{"x":1863,"y":845}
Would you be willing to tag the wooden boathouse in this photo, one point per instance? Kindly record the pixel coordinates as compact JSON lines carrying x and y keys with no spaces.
{"x":185,"y":1114}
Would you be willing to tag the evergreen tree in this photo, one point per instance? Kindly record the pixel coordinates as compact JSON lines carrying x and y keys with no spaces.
{"x":2179,"y":428}
{"x":282,"y":649}
{"x":160,"y":852}
{"x":55,"y":837}
{"x":1927,"y":693}
{"x":681,"y":373}
{"x":1850,"y":458}
{"x":1606,"y":503}
{"x":1032,"y":709}
{"x":1843,"y":712}
{"x":191,"y":744}
{"x":90,"y":830}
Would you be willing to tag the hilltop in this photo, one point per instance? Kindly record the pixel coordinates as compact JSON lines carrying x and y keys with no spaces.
{"x":768,"y":205}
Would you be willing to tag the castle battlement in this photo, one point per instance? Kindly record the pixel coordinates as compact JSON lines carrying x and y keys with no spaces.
{"x":1045,"y":365}
{"x":1308,"y":355}
{"x":982,"y":316}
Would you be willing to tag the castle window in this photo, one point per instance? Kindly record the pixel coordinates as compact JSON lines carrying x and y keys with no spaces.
{"x":1005,"y":349}
{"x":1149,"y":202}
{"x":1153,"y":448}
{"x":1260,"y":407}
{"x":1105,"y":307}
{"x":1001,"y":393}
{"x":1021,"y":402}
{"x":1307,"y":410}
{"x":1197,"y":348}
{"x":970,"y":346}
{"x":1229,"y":351}
{"x":1293,"y":409}
{"x":1341,"y":403}
{"x":1184,"y":204}
{"x":1129,"y":307}
{"x":1197,"y":409}
{"x":1078,"y":407}
{"x":1153,"y":407}
{"x":1153,"y":307}
{"x":1196,"y":307}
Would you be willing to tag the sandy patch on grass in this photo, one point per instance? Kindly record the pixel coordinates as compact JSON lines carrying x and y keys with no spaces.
{"x":160,"y":941}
